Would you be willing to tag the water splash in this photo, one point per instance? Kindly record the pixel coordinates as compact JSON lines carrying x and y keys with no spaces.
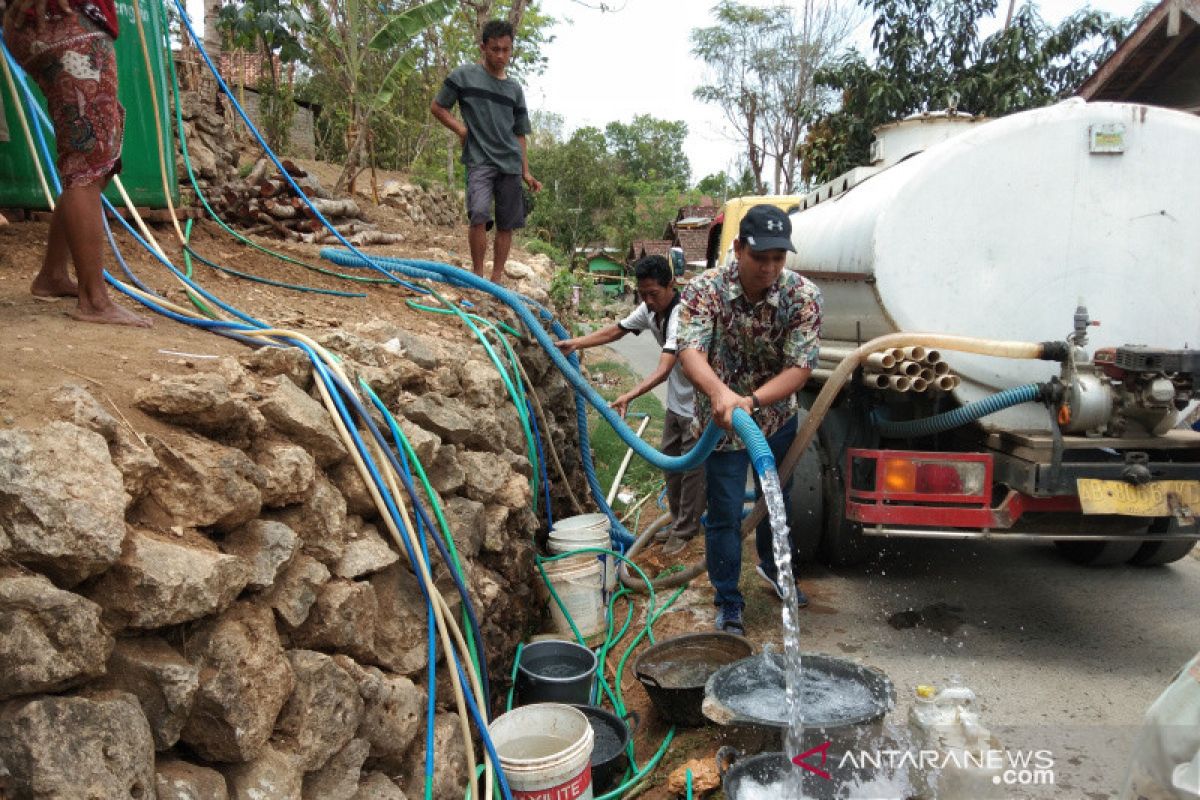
{"x":782,"y":546}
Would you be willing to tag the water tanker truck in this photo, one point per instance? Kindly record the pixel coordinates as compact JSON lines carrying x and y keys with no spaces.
{"x":1076,"y":225}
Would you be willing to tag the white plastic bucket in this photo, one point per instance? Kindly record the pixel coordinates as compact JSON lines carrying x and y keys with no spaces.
{"x":545,"y":751}
{"x":579,"y":583}
{"x":586,"y":530}
{"x":608,"y":564}
{"x":581,"y":522}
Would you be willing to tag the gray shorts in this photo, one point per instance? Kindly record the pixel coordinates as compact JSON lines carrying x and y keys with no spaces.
{"x":485,"y":182}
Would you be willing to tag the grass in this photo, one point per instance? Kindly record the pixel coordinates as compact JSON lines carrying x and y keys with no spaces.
{"x":608,"y":449}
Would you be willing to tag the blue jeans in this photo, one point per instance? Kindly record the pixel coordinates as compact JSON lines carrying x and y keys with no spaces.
{"x":726,"y":475}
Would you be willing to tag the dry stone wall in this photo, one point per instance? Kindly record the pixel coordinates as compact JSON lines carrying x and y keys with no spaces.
{"x":215,"y":611}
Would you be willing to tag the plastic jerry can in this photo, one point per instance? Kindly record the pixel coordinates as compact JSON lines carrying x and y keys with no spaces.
{"x":958,"y":758}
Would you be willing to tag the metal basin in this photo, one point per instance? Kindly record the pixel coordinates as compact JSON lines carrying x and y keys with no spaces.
{"x":674,"y":672}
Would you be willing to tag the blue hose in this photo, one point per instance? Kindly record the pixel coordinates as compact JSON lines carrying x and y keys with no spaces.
{"x":913,"y":429}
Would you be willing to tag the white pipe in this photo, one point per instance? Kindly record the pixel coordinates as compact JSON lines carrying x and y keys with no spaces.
{"x":926,"y":374}
{"x":910,"y":368}
{"x":899,"y":383}
{"x":878,"y":380}
{"x":933,"y":357}
{"x":612,"y":492}
{"x":941,"y":368}
{"x":914,"y":353}
{"x":919,"y":385}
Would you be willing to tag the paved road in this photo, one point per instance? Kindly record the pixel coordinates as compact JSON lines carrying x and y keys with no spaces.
{"x":1063,"y":658}
{"x":642,"y":353}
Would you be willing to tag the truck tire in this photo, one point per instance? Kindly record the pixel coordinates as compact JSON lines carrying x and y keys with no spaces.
{"x":1092,"y":553}
{"x":806,"y":494}
{"x":1156,"y":552}
{"x":842,"y":543}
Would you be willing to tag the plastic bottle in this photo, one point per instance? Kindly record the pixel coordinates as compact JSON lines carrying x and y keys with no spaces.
{"x":960,"y":759}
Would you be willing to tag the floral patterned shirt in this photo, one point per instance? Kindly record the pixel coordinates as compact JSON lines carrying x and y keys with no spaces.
{"x":750,"y":343}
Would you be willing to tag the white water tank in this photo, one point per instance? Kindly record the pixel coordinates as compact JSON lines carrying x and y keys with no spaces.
{"x":1001,"y":231}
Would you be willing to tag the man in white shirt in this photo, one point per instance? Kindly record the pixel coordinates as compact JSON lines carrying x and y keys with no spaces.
{"x":658,"y":313}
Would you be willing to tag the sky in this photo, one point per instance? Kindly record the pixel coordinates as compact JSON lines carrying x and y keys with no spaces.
{"x":636,"y":60}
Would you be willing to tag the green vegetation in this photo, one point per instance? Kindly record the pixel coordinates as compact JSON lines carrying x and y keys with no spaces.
{"x":929,"y":55}
{"x":607,"y":448}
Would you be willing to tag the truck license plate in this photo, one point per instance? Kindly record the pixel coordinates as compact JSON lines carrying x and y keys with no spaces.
{"x":1158,"y":499}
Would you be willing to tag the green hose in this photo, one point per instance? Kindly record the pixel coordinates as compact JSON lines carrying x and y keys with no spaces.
{"x":431,"y":496}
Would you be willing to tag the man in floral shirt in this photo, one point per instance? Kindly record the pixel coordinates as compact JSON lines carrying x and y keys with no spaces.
{"x":748,"y":338}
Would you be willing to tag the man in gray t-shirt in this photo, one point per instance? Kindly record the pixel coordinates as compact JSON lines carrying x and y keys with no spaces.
{"x":659,"y":314}
{"x":492,"y":131}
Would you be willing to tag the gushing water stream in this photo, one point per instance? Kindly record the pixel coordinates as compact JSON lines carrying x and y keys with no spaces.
{"x":782,"y":544}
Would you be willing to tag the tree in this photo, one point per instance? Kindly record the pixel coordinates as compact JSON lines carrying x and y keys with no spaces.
{"x":762,"y":62}
{"x":366,"y":54}
{"x":271,"y":28}
{"x":580,"y":188}
{"x":650,"y":149}
{"x":929,"y":55}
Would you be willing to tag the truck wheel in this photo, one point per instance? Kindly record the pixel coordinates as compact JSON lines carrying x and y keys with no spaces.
{"x":1155,"y":553}
{"x":807,"y":498}
{"x":843,"y":543}
{"x":1091,"y":553}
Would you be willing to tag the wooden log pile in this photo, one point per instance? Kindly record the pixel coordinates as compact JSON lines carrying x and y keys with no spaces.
{"x":264,"y":203}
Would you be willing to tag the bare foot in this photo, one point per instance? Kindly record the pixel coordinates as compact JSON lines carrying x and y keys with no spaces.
{"x":113,"y":315}
{"x":51,"y":288}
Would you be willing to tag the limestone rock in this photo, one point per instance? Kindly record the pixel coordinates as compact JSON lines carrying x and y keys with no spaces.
{"x":350,"y":484}
{"x":320,"y":522}
{"x":377,"y":786}
{"x":270,"y":362}
{"x":304,"y":420}
{"x":271,"y":775}
{"x":202,"y":402}
{"x":77,"y":405}
{"x":296,"y":587}
{"x":398,"y":643}
{"x":495,"y":525}
{"x":446,"y":473}
{"x":486,"y":475}
{"x":204,"y":484}
{"x":467,"y":521}
{"x":76,"y":747}
{"x":393,"y":708}
{"x":181,"y":780}
{"x":416,"y":348}
{"x":338,"y":779}
{"x":481,"y":384}
{"x":266,"y":546}
{"x":62,"y":502}
{"x":323,"y":712}
{"x":163,"y":682}
{"x":158,"y":582}
{"x":49,"y":639}
{"x":244,"y":681}
{"x":449,"y":768}
{"x":342,"y":618}
{"x":425,"y":444}
{"x":446,"y":418}
{"x":515,"y":493}
{"x":136,"y":463}
{"x":366,"y":553}
{"x":288,"y":473}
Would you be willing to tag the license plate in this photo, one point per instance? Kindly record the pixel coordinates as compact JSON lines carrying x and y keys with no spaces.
{"x":1158,"y":499}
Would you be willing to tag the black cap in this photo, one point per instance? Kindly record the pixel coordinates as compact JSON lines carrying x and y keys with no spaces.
{"x":766,"y":227}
